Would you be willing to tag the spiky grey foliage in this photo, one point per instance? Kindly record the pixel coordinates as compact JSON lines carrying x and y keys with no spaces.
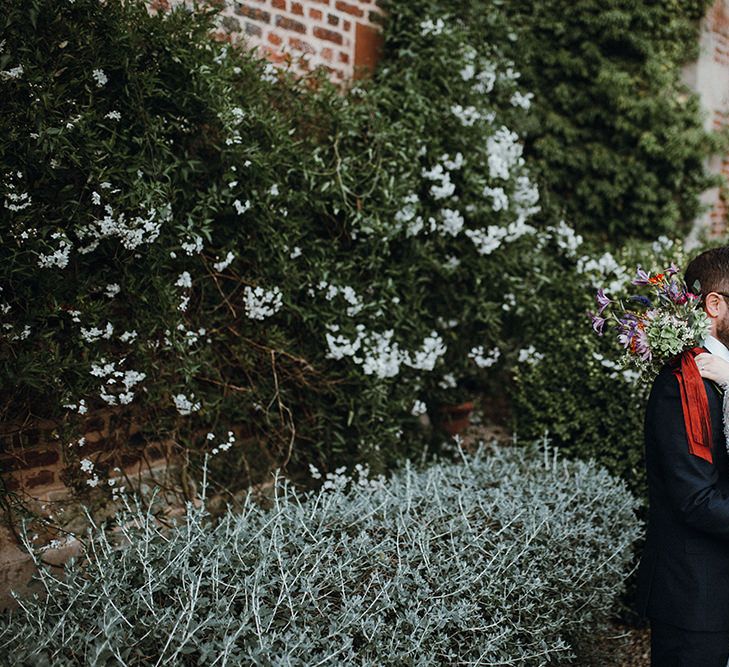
{"x":499,"y":559}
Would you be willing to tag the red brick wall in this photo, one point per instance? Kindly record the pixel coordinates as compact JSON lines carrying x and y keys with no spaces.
{"x":717,"y":22}
{"x":709,"y":77}
{"x":343,"y":37}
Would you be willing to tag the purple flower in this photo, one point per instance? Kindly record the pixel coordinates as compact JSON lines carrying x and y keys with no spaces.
{"x":675,"y":293}
{"x":672,"y":270}
{"x":602,"y":300}
{"x":627,"y":326}
{"x":642,"y":347}
{"x":642,"y":278}
{"x":633,"y":336}
{"x":598,"y":323}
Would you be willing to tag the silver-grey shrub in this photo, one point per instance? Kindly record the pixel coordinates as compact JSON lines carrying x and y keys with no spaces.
{"x":499,"y":559}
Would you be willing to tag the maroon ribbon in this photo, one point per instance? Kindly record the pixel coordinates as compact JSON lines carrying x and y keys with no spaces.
{"x":694,"y":402}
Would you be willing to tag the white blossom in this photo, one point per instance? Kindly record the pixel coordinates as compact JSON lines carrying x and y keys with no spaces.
{"x":430,"y":27}
{"x":566,"y":237}
{"x":94,"y":333}
{"x":100,"y":77}
{"x":12,"y":73}
{"x":424,"y":359}
{"x":193,"y":246}
{"x":112,"y":289}
{"x":455,"y":163}
{"x":185,"y":405}
{"x":519,"y":99}
{"x":408,"y":210}
{"x":606,"y":272}
{"x":485,"y":79}
{"x":241,"y":208}
{"x":184,"y":280}
{"x":128,"y":336}
{"x":347,"y":292}
{"x":80,"y":408}
{"x":58,"y":257}
{"x":484,"y":359}
{"x":16,"y":201}
{"x":467,"y":115}
{"x":525,"y":196}
{"x":132,"y":231}
{"x":529,"y":355}
{"x":444,"y":188}
{"x":448,"y":381}
{"x":261,"y":303}
{"x":340,"y":346}
{"x":379,"y":354}
{"x":499,"y":198}
{"x":452,"y":262}
{"x":269,"y":73}
{"x":467,"y":71}
{"x":225,"y":263}
{"x":661,"y":244}
{"x":504,"y":152}
{"x":223,"y":446}
{"x":452,"y":221}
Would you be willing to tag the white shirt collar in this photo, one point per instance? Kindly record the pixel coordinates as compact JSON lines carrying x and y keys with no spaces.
{"x":715,"y":346}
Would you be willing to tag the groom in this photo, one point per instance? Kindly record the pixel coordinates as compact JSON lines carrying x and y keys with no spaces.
{"x":683,"y":577}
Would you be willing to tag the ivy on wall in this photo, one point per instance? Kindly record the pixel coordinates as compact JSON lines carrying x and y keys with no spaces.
{"x":617,"y":137}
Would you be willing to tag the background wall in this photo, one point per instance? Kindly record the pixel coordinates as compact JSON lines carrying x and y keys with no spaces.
{"x":343,"y":37}
{"x":709,"y":77}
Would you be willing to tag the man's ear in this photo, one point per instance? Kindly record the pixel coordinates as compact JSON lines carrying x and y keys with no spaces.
{"x":711,"y":304}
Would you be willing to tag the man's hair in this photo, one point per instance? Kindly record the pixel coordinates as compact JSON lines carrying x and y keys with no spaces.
{"x":710,"y":269}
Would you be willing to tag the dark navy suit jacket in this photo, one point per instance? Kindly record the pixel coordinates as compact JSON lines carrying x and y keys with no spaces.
{"x":683,"y":577}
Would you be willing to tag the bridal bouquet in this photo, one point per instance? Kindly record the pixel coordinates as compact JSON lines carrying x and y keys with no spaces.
{"x":657,"y":325}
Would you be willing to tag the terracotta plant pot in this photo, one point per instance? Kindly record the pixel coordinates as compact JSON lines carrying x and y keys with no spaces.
{"x":455,"y":418}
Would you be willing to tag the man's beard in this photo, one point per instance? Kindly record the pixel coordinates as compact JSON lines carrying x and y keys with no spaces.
{"x":722,"y":330}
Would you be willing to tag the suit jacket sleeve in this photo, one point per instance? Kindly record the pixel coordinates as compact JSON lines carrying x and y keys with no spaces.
{"x":690,"y":480}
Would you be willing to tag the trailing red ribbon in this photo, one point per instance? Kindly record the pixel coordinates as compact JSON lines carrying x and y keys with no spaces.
{"x":694,"y":402}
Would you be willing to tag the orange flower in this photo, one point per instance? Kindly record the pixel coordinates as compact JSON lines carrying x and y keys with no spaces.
{"x":658,"y":278}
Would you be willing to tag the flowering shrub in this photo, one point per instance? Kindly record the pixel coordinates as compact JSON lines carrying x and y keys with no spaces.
{"x":505,"y":558}
{"x":629,"y":167}
{"x":196,"y":237}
